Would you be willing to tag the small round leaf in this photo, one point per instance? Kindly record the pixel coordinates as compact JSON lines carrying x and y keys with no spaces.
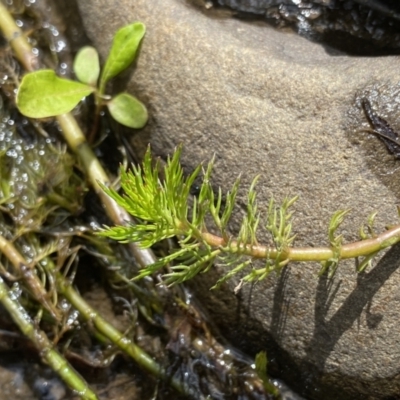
{"x":87,"y":65}
{"x":123,"y":50}
{"x":43,"y":94}
{"x":128,"y":110}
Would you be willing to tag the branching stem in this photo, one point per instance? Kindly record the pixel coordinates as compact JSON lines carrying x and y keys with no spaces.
{"x":27,"y":274}
{"x":45,"y":348}
{"x":350,"y":250}
{"x":89,"y":314}
{"x":162,"y":210}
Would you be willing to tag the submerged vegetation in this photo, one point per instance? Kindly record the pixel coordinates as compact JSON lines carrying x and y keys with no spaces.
{"x":46,"y":228}
{"x":50,"y":257}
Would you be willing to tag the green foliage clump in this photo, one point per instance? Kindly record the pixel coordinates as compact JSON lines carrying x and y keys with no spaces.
{"x":43,"y":94}
{"x":161,"y":211}
{"x":36,"y":179}
{"x":40,"y":241}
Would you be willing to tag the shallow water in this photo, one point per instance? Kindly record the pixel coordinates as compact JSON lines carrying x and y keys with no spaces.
{"x":353,"y":27}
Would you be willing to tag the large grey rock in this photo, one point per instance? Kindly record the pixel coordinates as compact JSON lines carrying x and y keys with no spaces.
{"x":272,"y":103}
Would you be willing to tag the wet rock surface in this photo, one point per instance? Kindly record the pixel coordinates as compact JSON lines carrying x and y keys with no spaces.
{"x":359,"y":27}
{"x":387,"y":7}
{"x":275,"y":104}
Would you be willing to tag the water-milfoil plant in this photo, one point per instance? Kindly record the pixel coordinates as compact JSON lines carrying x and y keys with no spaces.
{"x":163,"y":209}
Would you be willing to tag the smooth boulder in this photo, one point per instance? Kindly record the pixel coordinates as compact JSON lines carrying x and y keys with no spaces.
{"x":275,"y":104}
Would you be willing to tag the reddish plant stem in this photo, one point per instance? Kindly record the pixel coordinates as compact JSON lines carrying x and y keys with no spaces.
{"x":350,"y":250}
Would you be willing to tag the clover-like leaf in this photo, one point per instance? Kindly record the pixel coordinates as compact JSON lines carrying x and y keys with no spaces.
{"x":128,"y":110}
{"x":87,"y":65}
{"x":43,"y":94}
{"x":123,"y":50}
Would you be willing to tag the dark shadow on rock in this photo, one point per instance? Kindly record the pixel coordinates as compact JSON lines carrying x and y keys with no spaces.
{"x":307,"y":377}
{"x":328,"y":332}
{"x":240,"y":329}
{"x":281,"y":304}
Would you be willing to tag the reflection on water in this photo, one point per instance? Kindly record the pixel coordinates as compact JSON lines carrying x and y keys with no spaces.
{"x":354,"y":27}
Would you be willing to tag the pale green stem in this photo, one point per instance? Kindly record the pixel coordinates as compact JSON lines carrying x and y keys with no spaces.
{"x":115,"y":336}
{"x":95,"y":172}
{"x":102,"y":88}
{"x":45,"y":348}
{"x":16,"y":37}
{"x":90,"y":314}
{"x":26,"y":272}
{"x":350,"y":250}
{"x":62,"y":202}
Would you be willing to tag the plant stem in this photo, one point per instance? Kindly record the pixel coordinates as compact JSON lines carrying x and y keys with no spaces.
{"x":16,"y":37}
{"x":45,"y":348}
{"x":350,"y":250}
{"x":91,"y":315}
{"x":95,"y":172}
{"x":28,"y":275}
{"x":115,"y":336}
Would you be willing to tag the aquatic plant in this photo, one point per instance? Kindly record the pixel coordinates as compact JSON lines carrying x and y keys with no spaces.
{"x":40,"y":242}
{"x":161,"y":210}
{"x":160,"y":204}
{"x":43,"y":94}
